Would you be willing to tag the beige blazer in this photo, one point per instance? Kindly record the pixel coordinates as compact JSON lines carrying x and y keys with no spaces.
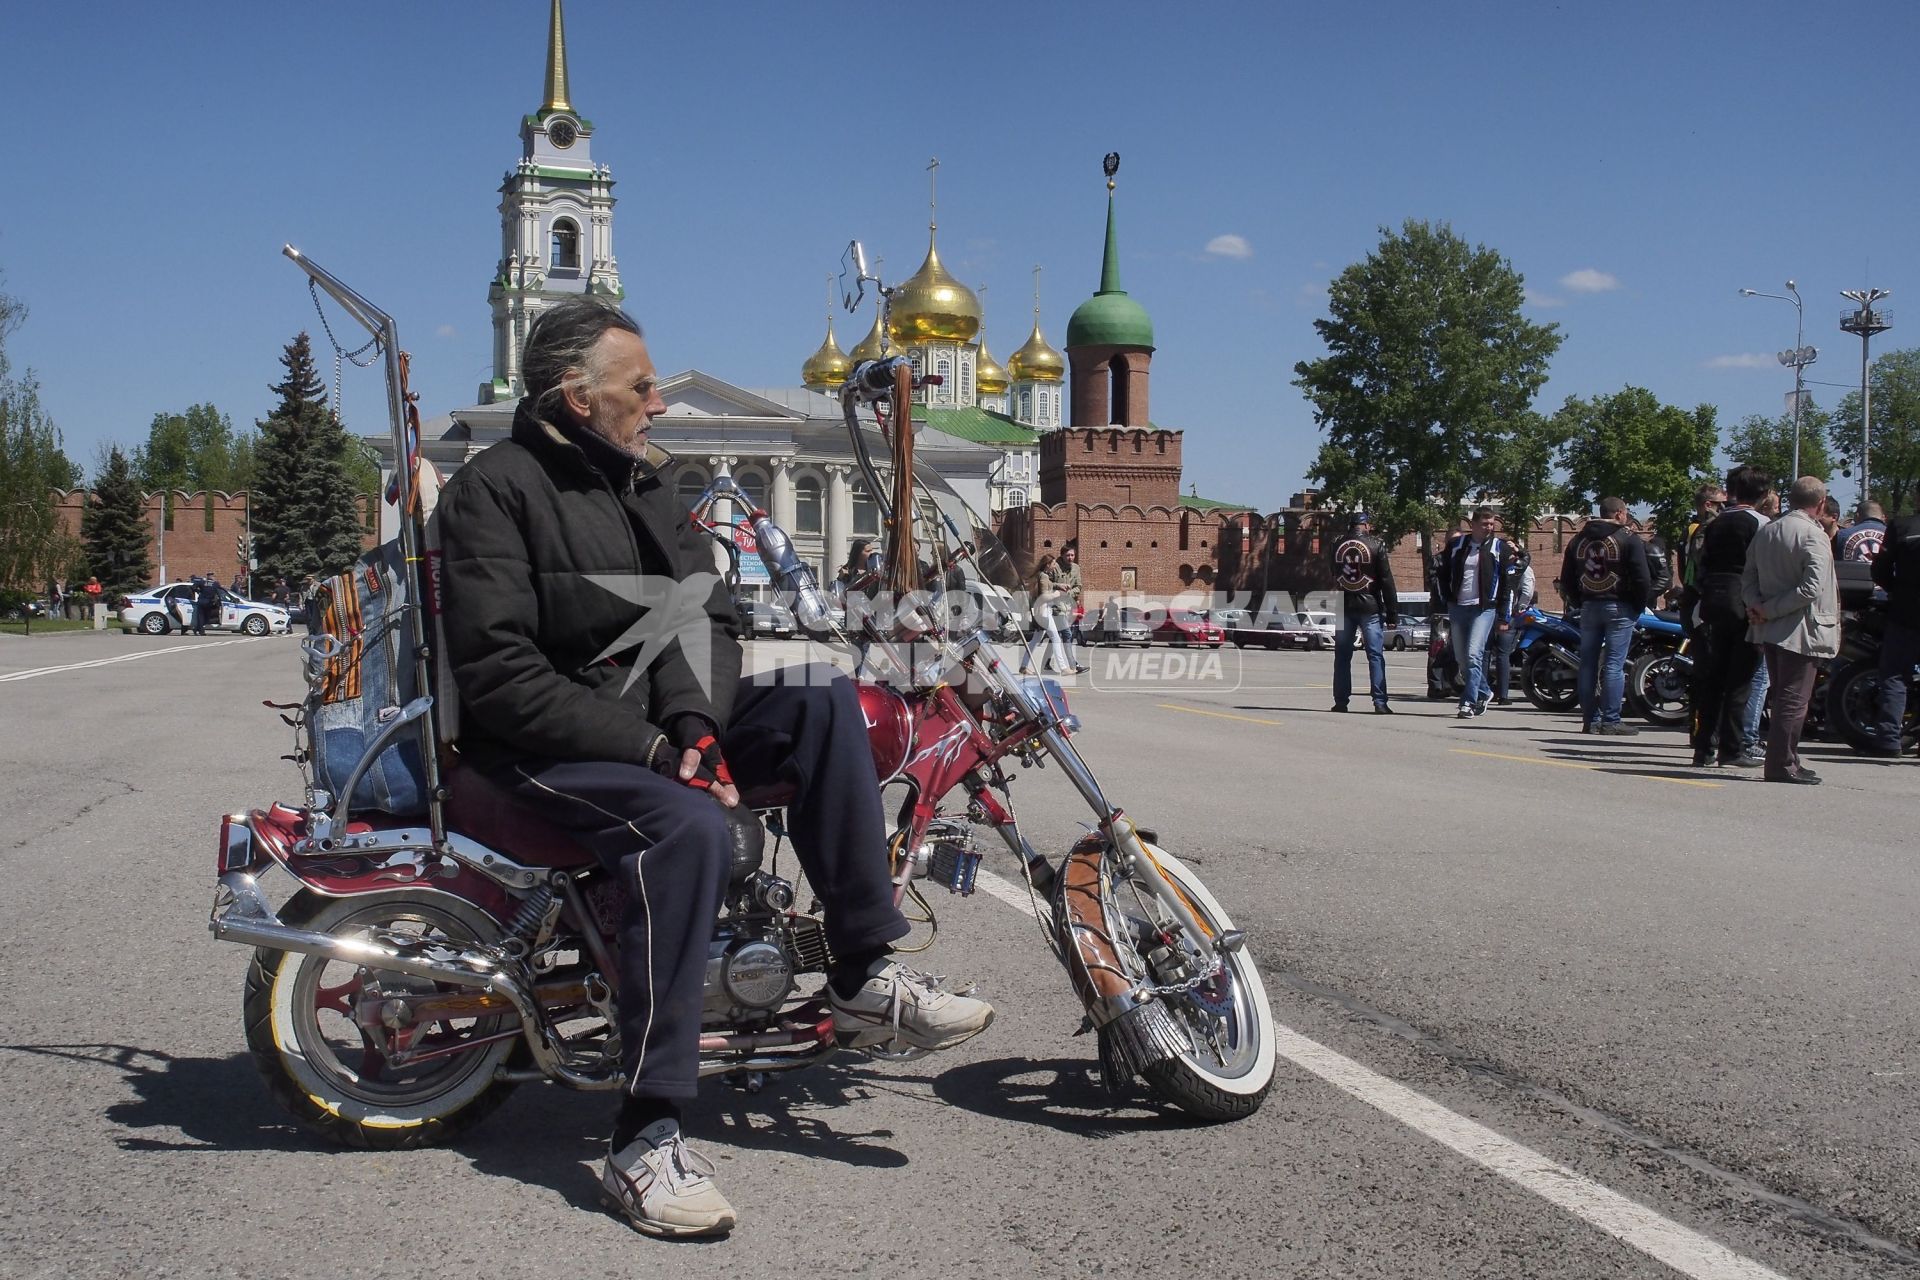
{"x":1789,"y":578}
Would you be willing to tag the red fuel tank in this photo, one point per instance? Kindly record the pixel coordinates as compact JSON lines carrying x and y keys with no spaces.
{"x":890,"y":729}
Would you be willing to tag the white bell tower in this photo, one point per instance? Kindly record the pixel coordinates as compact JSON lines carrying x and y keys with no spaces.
{"x":556,"y":222}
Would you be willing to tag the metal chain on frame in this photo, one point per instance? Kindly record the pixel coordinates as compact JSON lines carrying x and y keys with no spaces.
{"x":339,"y":353}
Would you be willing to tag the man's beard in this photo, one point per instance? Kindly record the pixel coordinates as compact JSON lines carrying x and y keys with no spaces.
{"x":629,"y":448}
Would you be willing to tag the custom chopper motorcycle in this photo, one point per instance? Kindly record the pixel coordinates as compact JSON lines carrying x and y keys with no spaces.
{"x":430,"y":959}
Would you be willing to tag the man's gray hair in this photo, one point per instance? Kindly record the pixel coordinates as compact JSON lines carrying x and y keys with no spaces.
{"x":1806,"y":495}
{"x":560,"y":351}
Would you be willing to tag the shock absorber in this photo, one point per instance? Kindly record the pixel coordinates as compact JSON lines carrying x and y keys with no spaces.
{"x":528,"y":921}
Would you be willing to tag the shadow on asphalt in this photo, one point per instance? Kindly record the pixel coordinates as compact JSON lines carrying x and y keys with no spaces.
{"x":210,"y":1102}
{"x":1060,"y":1093}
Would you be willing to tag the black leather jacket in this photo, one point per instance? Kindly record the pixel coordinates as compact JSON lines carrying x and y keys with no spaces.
{"x":551,"y":568}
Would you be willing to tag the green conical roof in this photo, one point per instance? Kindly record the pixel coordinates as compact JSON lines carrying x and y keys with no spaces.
{"x":1110,"y":318}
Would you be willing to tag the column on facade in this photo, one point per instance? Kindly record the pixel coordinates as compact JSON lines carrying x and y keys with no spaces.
{"x":839,"y":517}
{"x":780,"y":503}
{"x":722,"y":512}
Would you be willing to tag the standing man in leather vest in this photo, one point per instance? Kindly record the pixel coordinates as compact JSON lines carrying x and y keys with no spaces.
{"x":1896,"y":569}
{"x":1369,"y":603}
{"x":1605,"y":575}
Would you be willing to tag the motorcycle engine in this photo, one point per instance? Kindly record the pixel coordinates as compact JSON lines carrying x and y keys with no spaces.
{"x":748,"y":978}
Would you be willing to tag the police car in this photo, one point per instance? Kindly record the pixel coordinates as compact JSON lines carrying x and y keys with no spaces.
{"x":158,"y":610}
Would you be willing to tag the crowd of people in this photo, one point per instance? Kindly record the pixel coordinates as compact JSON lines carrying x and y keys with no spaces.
{"x":1757,"y":598}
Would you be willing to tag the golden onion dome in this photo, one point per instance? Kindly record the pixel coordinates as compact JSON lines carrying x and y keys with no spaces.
{"x":875,"y":346}
{"x":932,"y":306}
{"x":827,"y":367}
{"x":988,"y":376}
{"x":1036,"y":361}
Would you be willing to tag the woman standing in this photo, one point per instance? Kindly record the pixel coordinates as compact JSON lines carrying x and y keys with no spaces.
{"x":1047,"y":601}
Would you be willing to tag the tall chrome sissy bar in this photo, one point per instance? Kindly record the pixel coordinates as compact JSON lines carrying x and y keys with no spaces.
{"x":417,"y":717}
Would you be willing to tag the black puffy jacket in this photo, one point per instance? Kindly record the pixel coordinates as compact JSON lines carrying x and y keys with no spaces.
{"x":553,"y":576}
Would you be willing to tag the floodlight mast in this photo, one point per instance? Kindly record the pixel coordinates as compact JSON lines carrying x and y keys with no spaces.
{"x":1866,"y":321}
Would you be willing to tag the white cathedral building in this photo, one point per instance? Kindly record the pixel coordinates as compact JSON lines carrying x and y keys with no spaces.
{"x":786,"y":446}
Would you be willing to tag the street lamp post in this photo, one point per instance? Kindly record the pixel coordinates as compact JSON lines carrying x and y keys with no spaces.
{"x":1866,"y":321}
{"x":1797,"y":359}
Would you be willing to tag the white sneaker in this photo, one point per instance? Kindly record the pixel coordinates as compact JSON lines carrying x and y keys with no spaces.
{"x":663,"y":1188}
{"x":899,"y":1004}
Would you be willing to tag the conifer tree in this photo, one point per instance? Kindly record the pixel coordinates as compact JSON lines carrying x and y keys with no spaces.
{"x":114,"y":528}
{"x":304,"y":520}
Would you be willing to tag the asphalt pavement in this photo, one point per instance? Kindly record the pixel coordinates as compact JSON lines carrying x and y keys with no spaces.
{"x":1554,"y":1006}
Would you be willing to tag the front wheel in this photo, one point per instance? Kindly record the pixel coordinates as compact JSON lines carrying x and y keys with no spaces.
{"x":320,"y":1038}
{"x":255,"y":625}
{"x":1224,"y":1025}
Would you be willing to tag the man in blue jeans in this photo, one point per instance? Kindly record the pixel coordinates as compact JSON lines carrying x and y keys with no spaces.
{"x":1365,"y":579}
{"x":1605,"y":576}
{"x":1474,"y":577}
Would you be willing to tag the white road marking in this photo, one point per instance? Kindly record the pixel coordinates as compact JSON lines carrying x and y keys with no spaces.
{"x":1659,"y":1237}
{"x":125,"y":657}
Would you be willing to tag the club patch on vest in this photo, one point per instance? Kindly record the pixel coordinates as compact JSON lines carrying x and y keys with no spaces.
{"x":1353,"y":568}
{"x":1600,"y":565}
{"x":1862,"y":544}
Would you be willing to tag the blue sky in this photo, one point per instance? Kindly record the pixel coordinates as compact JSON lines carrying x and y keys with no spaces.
{"x":1638,"y":163}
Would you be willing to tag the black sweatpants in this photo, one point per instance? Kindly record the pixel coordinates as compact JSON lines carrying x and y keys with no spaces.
{"x":1723,"y":665}
{"x":670,"y":847}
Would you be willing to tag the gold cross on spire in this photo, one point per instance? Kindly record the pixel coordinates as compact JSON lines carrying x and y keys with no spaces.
{"x":933,"y":194}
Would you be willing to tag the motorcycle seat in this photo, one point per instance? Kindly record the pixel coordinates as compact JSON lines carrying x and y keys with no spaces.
{"x":482,"y":810}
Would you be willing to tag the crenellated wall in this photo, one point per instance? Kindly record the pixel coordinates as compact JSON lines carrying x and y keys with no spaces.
{"x":192,"y":533}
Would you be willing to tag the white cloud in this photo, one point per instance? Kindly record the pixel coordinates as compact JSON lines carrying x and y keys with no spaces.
{"x":1229,"y":246}
{"x":1588,"y":280}
{"x":1745,"y":360}
{"x":1536,"y":299}
{"x":445,"y":331}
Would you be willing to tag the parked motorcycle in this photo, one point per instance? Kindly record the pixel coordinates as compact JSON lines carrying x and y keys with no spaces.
{"x":1852,"y":694}
{"x":427,"y":964}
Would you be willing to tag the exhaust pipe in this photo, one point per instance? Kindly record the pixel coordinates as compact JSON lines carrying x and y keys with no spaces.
{"x":242,"y":914}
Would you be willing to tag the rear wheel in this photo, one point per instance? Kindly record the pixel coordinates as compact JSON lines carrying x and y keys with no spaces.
{"x":318,"y":1038}
{"x":1551,"y":683}
{"x":154,"y":624}
{"x":1224,"y":1024}
{"x":1658,"y":685}
{"x":1853,"y":706}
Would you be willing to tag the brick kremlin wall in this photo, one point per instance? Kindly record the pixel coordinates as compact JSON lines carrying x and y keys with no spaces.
{"x":199,"y":532}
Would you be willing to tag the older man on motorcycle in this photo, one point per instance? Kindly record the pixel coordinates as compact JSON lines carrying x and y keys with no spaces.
{"x":586,"y":696}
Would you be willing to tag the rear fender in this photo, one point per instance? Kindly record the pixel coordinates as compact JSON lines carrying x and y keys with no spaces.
{"x":337,"y":873}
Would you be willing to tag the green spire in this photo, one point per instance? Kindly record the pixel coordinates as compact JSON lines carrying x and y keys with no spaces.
{"x":1110,"y":265}
{"x":1110,"y":318}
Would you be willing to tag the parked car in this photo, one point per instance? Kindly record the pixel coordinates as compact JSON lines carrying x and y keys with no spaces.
{"x":1122,"y":624}
{"x":1312,"y":629}
{"x":1412,"y":633}
{"x":760,"y":618}
{"x":1189,"y":627}
{"x":155,"y":612}
{"x":1246,"y":629}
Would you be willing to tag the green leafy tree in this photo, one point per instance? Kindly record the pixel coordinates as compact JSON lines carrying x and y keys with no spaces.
{"x":1767,"y":443}
{"x":34,"y":547}
{"x":115,"y":529}
{"x":1895,"y":382}
{"x":1629,"y":445}
{"x":192,"y":451}
{"x":1426,"y":389}
{"x":305,"y":523}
